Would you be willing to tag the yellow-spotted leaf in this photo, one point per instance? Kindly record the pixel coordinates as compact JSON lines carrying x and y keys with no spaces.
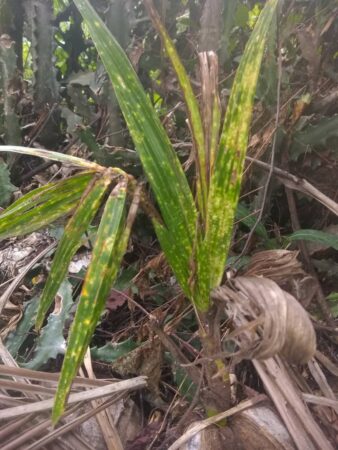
{"x":110,"y":245}
{"x":171,"y":249}
{"x":53,"y":156}
{"x":161,"y":164}
{"x":191,"y":104}
{"x":43,"y":206}
{"x":226,"y":179}
{"x":71,"y":240}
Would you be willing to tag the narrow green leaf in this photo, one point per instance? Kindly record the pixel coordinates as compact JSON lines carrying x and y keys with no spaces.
{"x":243,"y":214}
{"x":320,"y":237}
{"x":40,"y":195}
{"x":42,"y":206}
{"x":158,"y":158}
{"x":42,"y":216}
{"x":227,"y":176}
{"x":53,"y":156}
{"x":215,"y":129}
{"x":71,"y":240}
{"x":110,"y":245}
{"x":191,"y":105}
{"x":171,"y":248}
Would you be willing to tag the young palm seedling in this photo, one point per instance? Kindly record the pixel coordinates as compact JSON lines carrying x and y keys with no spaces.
{"x":193,"y":226}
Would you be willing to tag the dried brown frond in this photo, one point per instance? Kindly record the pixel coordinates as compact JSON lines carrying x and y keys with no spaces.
{"x":27,"y":397}
{"x":278,"y":265}
{"x":283,"y":326}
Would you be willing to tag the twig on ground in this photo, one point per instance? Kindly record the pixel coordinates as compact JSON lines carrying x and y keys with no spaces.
{"x":33,"y":431}
{"x":217,"y":418}
{"x":329,"y":365}
{"x":43,"y":376}
{"x":24,"y":387}
{"x":72,"y":424}
{"x":103,"y":418}
{"x":125,"y":385}
{"x":323,"y":401}
{"x":298,"y":184}
{"x":322,"y":382}
{"x":287,"y":398}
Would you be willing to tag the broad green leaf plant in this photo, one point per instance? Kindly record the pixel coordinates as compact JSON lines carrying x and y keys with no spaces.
{"x":193,"y":224}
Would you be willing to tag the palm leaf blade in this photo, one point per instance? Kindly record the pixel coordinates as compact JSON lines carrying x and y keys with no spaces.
{"x":53,"y":156}
{"x":227,"y":176}
{"x":160,"y":162}
{"x":42,"y":206}
{"x":71,"y":241}
{"x":108,"y":251}
{"x":191,"y":105}
{"x":42,"y":194}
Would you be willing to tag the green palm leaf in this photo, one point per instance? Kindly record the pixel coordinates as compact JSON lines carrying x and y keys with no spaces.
{"x":191,"y":105}
{"x":226,"y":179}
{"x":43,"y":206}
{"x":71,"y":240}
{"x":159,"y":160}
{"x":53,"y":156}
{"x":322,"y":238}
{"x":110,"y":245}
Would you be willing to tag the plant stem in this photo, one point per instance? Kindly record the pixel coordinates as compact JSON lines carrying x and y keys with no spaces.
{"x":216,"y":372}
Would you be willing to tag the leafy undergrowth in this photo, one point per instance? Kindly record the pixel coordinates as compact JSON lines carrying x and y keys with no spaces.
{"x":146,"y":312}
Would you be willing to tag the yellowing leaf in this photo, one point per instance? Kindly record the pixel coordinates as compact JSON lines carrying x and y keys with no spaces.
{"x":71,"y":240}
{"x":110,"y":245}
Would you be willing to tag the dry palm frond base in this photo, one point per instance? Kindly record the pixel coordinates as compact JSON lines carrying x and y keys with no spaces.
{"x":273,"y":330}
{"x":26,"y":399}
